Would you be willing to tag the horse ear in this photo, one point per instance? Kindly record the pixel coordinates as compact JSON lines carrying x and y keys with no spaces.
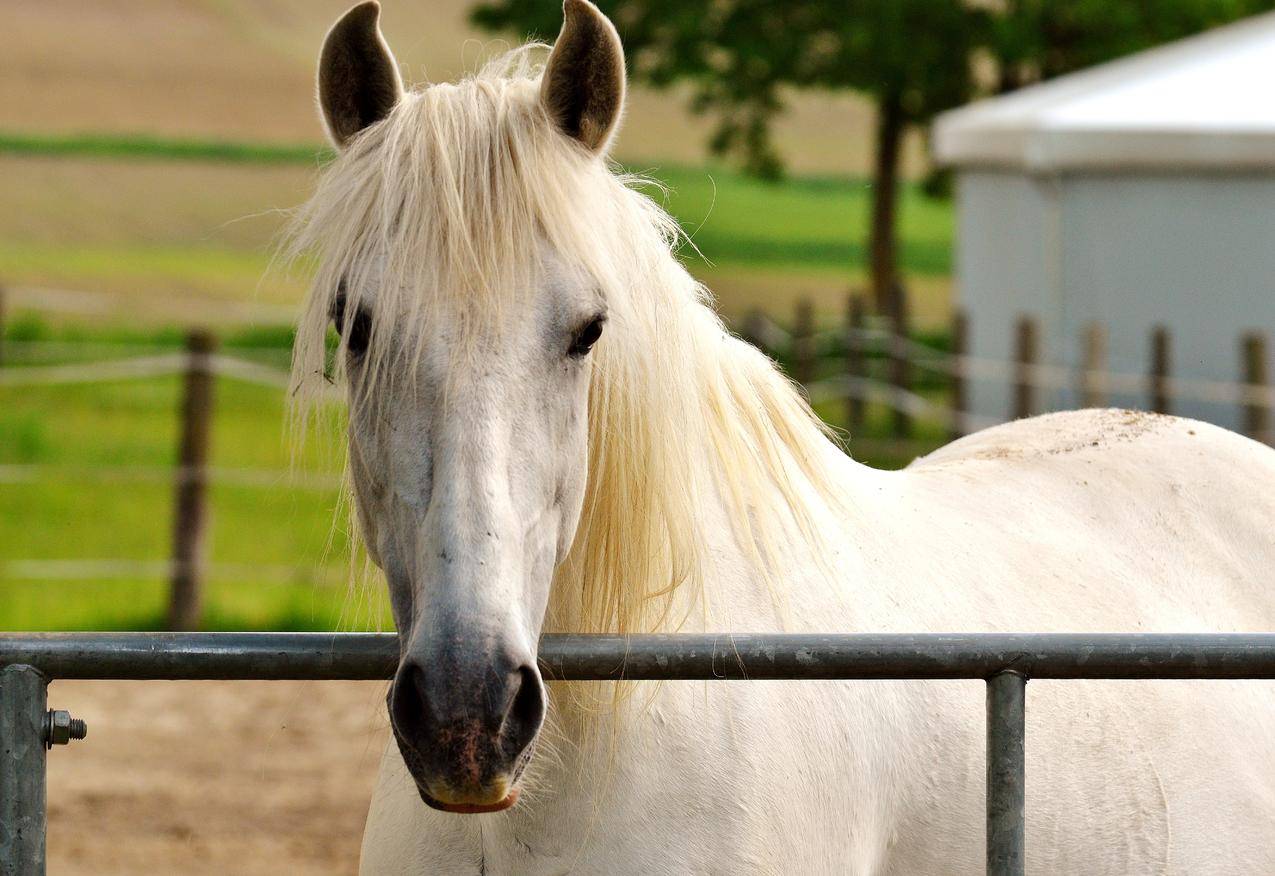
{"x":583,"y":84}
{"x":359,"y":81}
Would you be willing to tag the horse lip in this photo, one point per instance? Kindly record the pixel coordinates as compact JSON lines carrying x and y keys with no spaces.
{"x":471,"y":808}
{"x":410,"y":755}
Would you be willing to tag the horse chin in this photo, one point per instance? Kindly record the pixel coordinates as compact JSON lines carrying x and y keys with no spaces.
{"x":472,"y":802}
{"x":471,"y":808}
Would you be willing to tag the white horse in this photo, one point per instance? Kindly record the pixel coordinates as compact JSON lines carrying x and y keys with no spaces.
{"x":517,"y":470}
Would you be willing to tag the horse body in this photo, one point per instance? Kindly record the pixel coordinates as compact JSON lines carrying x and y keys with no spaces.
{"x":1086,"y":521}
{"x":515,"y":471}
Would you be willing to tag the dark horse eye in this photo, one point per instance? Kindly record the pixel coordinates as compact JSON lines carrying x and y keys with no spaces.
{"x":587,"y":337}
{"x":360,"y":327}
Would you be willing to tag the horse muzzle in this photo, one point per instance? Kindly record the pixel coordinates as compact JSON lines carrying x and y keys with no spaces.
{"x":466,"y":730}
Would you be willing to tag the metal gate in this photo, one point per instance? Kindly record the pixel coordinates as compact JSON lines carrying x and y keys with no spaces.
{"x":29,"y":661}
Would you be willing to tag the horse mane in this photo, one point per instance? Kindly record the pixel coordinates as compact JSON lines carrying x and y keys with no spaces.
{"x":446,"y":203}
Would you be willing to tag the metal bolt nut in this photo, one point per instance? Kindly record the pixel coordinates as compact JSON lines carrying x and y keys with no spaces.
{"x":61,"y":728}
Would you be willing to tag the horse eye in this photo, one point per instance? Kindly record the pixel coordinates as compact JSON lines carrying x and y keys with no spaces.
{"x":360,"y":330}
{"x":586,"y":337}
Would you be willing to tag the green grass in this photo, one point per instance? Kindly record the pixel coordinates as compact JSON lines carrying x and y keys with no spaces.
{"x":91,"y":145}
{"x":801,"y":225}
{"x":146,"y":271}
{"x":805,"y":233}
{"x":279,"y":554}
{"x":189,"y":262}
{"x":101,"y":493}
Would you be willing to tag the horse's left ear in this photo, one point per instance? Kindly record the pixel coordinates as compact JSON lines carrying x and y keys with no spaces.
{"x":583,"y":85}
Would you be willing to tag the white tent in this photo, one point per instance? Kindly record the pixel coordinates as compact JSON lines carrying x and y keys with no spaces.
{"x":1136,"y":194}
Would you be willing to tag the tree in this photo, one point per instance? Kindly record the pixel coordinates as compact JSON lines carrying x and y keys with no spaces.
{"x":912,"y":58}
{"x":1033,"y":40}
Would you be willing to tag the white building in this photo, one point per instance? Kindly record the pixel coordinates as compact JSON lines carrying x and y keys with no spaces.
{"x":1134,"y":194}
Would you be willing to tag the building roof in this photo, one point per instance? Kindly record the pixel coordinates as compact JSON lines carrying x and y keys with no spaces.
{"x":1202,"y":102}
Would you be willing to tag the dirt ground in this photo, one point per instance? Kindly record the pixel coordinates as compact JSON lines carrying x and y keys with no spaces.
{"x":214,"y":777}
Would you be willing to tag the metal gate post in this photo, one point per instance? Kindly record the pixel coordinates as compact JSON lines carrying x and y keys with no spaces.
{"x":23,"y":715}
{"x":1006,"y":712}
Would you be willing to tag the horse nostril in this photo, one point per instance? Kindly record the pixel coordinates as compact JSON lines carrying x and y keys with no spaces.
{"x":527,"y":710}
{"x":408,"y":699}
{"x":430,"y":709}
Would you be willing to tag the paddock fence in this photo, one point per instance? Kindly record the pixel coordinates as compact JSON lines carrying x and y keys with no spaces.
{"x":1006,"y":662}
{"x":878,"y":359}
{"x":198,"y":365}
{"x":915,"y":389}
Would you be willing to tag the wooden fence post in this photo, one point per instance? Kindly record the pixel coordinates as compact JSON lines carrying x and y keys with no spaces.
{"x":1026,"y":354}
{"x":190,"y":526}
{"x":899,"y":365}
{"x":1093,"y":390}
{"x":803,"y":343}
{"x":855,"y":361}
{"x":1159,"y":383}
{"x":752,"y":329}
{"x":960,"y":349}
{"x":1256,"y":414}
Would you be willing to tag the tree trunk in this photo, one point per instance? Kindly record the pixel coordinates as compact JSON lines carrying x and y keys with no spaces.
{"x":882,"y":245}
{"x":1010,"y":78}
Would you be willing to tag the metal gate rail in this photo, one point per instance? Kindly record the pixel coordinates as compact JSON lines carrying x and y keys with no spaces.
{"x":29,"y":661}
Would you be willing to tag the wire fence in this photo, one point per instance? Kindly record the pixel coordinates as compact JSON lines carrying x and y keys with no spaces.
{"x":144,"y":367}
{"x":95,"y":570}
{"x":867,"y":361}
{"x":879,"y":341}
{"x":247,"y":478}
{"x":27,"y":366}
{"x":878,"y":361}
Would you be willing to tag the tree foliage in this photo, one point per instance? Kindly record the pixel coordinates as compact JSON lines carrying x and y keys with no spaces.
{"x":912,"y":58}
{"x":1033,"y":40}
{"x":741,"y":56}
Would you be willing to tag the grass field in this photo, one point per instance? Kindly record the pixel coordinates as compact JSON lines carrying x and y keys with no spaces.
{"x":803,"y":223}
{"x":86,"y":494}
{"x":244,"y":70}
{"x":84,"y":482}
{"x":167,"y":227}
{"x":98,"y":103}
{"x":115,"y":243}
{"x":149,"y":152}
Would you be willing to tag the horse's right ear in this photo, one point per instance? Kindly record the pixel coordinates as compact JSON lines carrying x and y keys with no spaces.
{"x":583,"y":85}
{"x":359,"y":81}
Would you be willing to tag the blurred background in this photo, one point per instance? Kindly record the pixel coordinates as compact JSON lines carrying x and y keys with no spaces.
{"x":149,"y":152}
{"x":936,"y":214}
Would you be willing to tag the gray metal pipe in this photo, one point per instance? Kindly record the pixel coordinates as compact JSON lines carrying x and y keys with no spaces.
{"x":231,"y":656}
{"x":1006,"y":773}
{"x":1006,"y":661}
{"x":23,"y":708}
{"x":602,"y":658}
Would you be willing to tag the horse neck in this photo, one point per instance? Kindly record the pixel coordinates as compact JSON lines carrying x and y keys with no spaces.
{"x":742,"y":470}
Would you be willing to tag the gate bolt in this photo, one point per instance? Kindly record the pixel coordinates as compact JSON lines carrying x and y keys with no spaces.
{"x":60,"y":728}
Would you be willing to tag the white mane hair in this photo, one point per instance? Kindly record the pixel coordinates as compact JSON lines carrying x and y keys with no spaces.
{"x":441,"y":210}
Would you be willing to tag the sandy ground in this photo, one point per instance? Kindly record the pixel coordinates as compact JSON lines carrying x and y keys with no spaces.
{"x":214,"y":777}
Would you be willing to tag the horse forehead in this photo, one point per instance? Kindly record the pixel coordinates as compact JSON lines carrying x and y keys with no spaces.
{"x":478,"y":329}
{"x":466,"y":358}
